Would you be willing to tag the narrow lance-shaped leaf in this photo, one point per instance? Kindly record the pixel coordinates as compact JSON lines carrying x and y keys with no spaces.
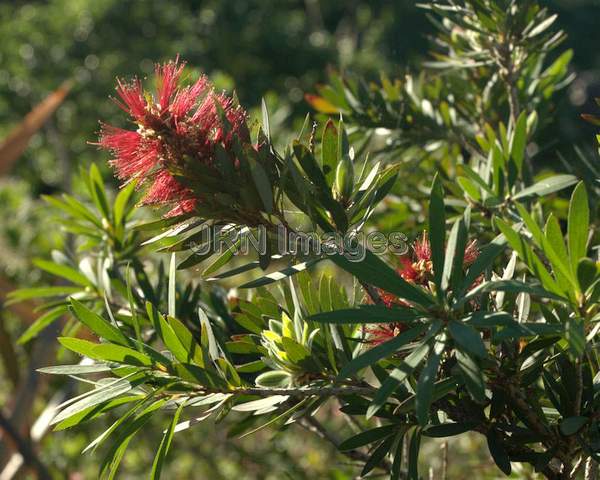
{"x":329,"y":151}
{"x":172,"y":287}
{"x":453,"y":260}
{"x":518,"y":141}
{"x":547,"y":186}
{"x":368,"y":314}
{"x":97,"y":324}
{"x":578,"y":226}
{"x":165,"y":445}
{"x":437,"y":230}
{"x":396,"y":377}
{"x":367,"y":437}
{"x":41,"y":323}
{"x":472,"y":375}
{"x":467,"y":338}
{"x":426,"y":381}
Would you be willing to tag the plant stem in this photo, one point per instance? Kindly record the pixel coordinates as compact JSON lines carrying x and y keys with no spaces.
{"x":591,"y":469}
{"x":300,"y":392}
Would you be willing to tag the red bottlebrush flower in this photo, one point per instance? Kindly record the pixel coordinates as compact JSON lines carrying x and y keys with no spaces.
{"x":132,"y":95}
{"x":407,"y":270}
{"x":177,"y":127}
{"x":134,"y":155}
{"x":382,"y":333}
{"x":167,"y":77}
{"x":417,"y":269}
{"x":422,"y":248}
{"x":471,"y":253}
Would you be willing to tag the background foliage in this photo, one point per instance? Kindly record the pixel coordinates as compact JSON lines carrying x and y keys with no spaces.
{"x":269,"y":48}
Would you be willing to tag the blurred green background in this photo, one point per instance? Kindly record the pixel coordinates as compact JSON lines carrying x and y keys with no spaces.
{"x":278,"y":49}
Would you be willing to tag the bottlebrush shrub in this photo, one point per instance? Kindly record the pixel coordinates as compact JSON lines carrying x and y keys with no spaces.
{"x":488,"y":323}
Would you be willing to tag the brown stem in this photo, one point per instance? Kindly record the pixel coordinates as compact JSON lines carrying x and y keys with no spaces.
{"x":444,"y":475}
{"x":24,"y":449}
{"x":591,"y":469}
{"x":300,"y":392}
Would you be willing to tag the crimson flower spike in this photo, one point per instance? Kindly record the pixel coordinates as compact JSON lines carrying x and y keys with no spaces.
{"x":178,"y":131}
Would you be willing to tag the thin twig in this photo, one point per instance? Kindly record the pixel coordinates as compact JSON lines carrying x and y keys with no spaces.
{"x":444,"y":475}
{"x":313,"y":425}
{"x":591,"y":469}
{"x":24,"y":449}
{"x":300,"y":392}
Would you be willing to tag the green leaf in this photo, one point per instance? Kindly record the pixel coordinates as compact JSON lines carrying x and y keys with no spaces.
{"x":513,"y":286}
{"x":40,"y":292}
{"x":571,"y":425}
{"x":555,"y":237}
{"x":519,"y":141}
{"x":588,"y":273}
{"x":221,"y":260}
{"x":121,"y":206}
{"x":542,"y":26}
{"x":192,"y":348}
{"x":575,"y":336}
{"x":453,"y":259}
{"x":97,"y":324}
{"x":106,"y":351}
{"x":75,"y":369}
{"x":124,"y":419}
{"x":274,"y":379}
{"x":498,"y":453}
{"x":172,"y":342}
{"x":171,"y":297}
{"x":124,"y":434}
{"x":165,"y":445}
{"x":367,"y":437}
{"x":260,"y":404}
{"x":424,"y":391}
{"x":525,"y":252}
{"x":547,"y":186}
{"x":100,"y":395}
{"x":396,"y":377}
{"x":63,"y":271}
{"x":469,"y":188}
{"x":472,"y":375}
{"x":265,"y":119}
{"x":262,"y":183}
{"x":559,"y":263}
{"x":329,"y":151}
{"x":380,"y":351}
{"x":368,"y":314}
{"x":378,"y":455}
{"x":296,"y":352}
{"x":467,"y":338}
{"x":437,"y":229}
{"x":41,"y":323}
{"x":97,"y":191}
{"x":74,"y":208}
{"x":281,"y":274}
{"x":323,"y":192}
{"x":578,"y":226}
{"x":94,"y":412}
{"x":448,"y":429}
{"x":413,"y":455}
{"x":209,"y":342}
